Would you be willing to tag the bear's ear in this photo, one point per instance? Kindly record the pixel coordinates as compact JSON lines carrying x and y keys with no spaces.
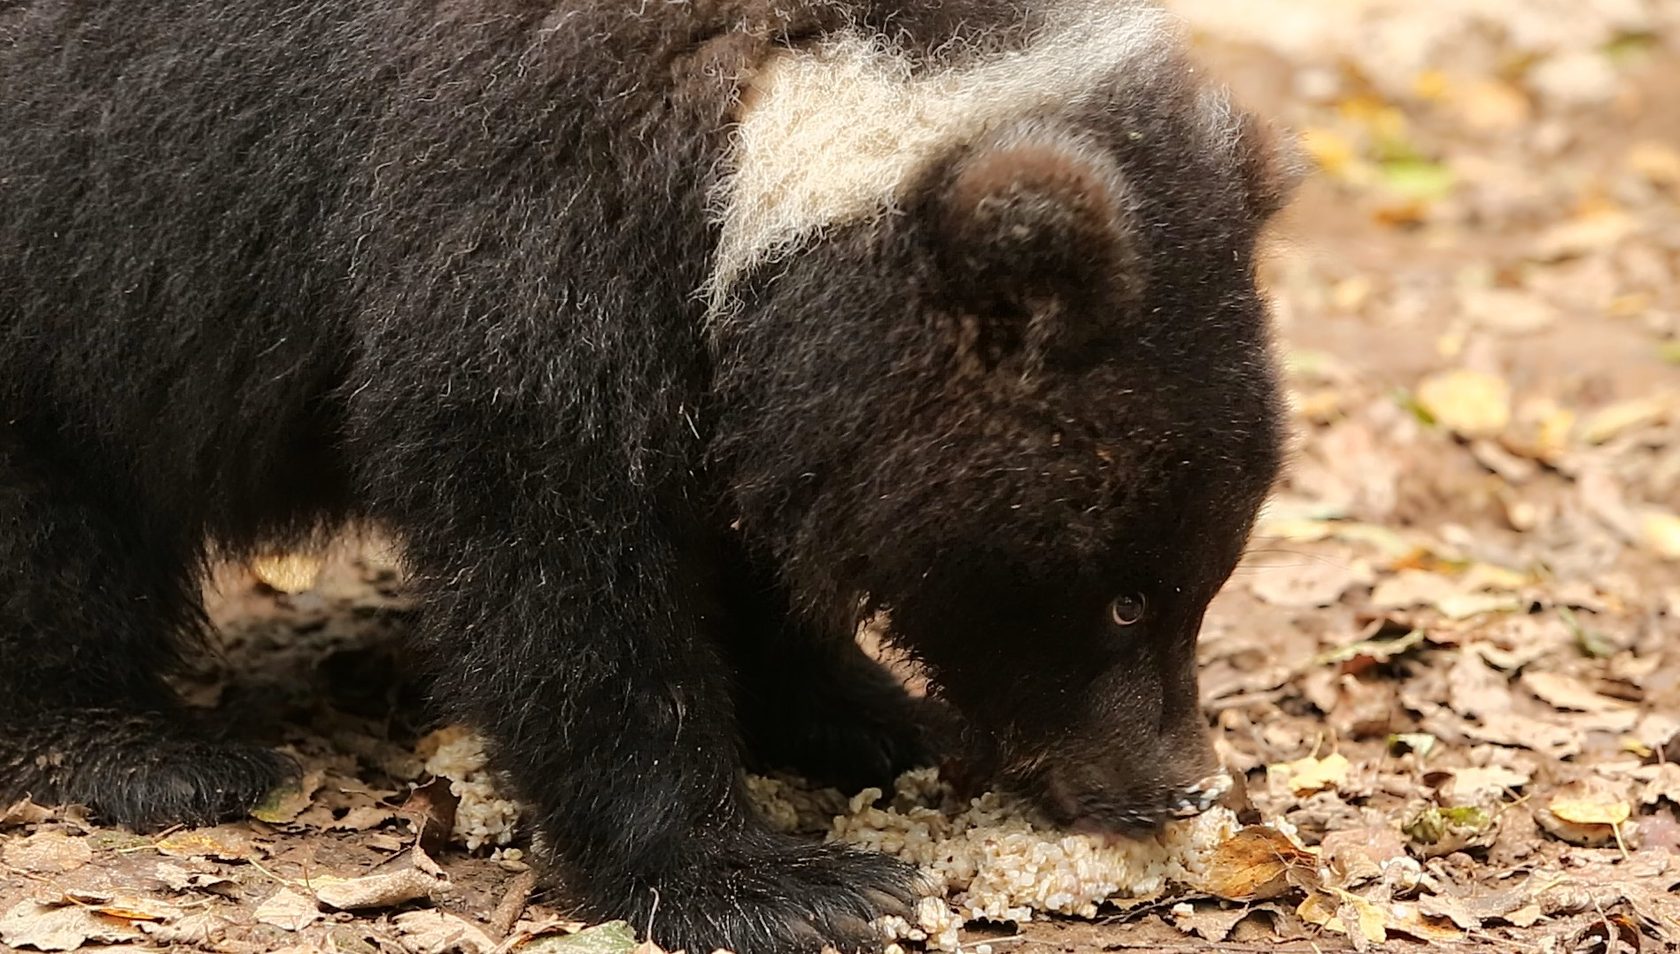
{"x":1272,"y":166}
{"x":1037,"y":218}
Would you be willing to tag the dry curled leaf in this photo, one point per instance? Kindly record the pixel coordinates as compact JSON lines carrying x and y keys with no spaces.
{"x":409,"y":879}
{"x":1257,"y":863}
{"x":24,"y":812}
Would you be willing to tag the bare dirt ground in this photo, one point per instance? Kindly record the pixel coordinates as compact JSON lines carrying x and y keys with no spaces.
{"x":1451,"y":661}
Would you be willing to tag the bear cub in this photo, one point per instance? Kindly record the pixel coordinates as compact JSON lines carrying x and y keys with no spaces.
{"x":666,"y":340}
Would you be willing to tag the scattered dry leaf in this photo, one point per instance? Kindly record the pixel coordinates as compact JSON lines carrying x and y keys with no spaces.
{"x":289,"y":910}
{"x":24,"y":812}
{"x":437,"y":932}
{"x":223,"y":843}
{"x":61,"y":927}
{"x":1257,"y":863}
{"x":48,"y":852}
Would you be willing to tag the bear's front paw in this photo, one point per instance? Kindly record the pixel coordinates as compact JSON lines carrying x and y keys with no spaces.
{"x":765,"y":893}
{"x":143,"y":771}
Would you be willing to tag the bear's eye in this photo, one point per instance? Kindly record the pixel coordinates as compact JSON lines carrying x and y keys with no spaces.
{"x":1127,"y":610}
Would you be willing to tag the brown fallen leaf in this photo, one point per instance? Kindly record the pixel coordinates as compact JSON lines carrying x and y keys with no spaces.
{"x":1207,"y":920}
{"x":1545,"y":737}
{"x":410,"y":879}
{"x":614,"y":937}
{"x":48,"y":852}
{"x":223,"y":843}
{"x":24,"y":812}
{"x":130,"y":908}
{"x":437,"y":932}
{"x":432,"y":807}
{"x":288,"y":910}
{"x":1567,"y":692}
{"x":1470,"y":784}
{"x":1409,"y":919}
{"x":176,"y":878}
{"x":1662,"y":782}
{"x":1355,"y":856}
{"x":61,"y":927}
{"x":199,"y":929}
{"x":1617,"y":419}
{"x":362,"y":818}
{"x":1452,"y":909}
{"x":1258,"y":863}
{"x":1309,"y":584}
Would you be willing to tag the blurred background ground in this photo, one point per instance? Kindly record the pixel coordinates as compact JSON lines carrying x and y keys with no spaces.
{"x":1456,"y":638}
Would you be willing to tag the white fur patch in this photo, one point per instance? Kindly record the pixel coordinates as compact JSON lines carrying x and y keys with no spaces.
{"x":833,"y":134}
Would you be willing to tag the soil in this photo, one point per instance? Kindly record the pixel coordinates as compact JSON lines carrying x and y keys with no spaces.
{"x":1468,"y":587}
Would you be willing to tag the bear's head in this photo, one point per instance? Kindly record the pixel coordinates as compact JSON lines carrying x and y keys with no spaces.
{"x":1028,"y":407}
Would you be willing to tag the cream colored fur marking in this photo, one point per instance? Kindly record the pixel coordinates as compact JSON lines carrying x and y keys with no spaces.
{"x":832,"y":135}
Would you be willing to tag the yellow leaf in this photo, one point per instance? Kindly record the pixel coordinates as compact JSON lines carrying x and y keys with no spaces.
{"x":1468,"y":403}
{"x":1659,"y":530}
{"x":1330,"y":150}
{"x":1373,"y":923}
{"x":1656,"y":161}
{"x":1624,"y":416}
{"x":1309,"y":775}
{"x":1431,"y":85}
{"x":1586,"y":812}
{"x":1327,"y":910}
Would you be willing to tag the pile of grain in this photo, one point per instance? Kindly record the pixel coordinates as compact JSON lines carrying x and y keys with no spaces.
{"x":989,"y":860}
{"x":482,"y":817}
{"x":986,"y":859}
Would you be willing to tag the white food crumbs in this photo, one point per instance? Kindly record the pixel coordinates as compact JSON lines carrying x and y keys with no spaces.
{"x":989,"y":861}
{"x":986,"y":860}
{"x":482,"y":817}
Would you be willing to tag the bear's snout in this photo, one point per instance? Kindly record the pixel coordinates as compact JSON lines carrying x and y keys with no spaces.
{"x":1132,"y":789}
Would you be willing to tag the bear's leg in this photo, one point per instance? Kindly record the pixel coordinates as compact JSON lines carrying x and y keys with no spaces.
{"x":90,"y":610}
{"x":584,"y":654}
{"x":809,"y":699}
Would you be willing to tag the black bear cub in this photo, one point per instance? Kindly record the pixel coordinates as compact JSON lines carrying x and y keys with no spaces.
{"x":667,"y":339}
